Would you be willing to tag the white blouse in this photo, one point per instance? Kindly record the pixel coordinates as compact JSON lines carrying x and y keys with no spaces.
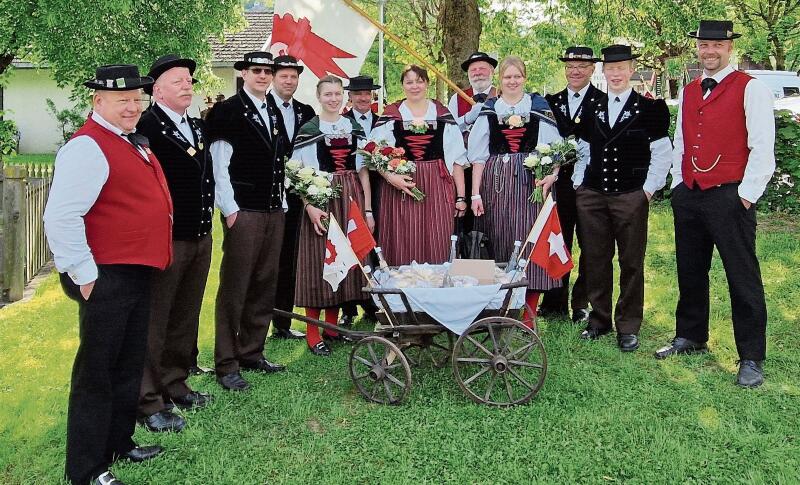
{"x":478,"y":142}
{"x":308,"y":154}
{"x":454,"y":151}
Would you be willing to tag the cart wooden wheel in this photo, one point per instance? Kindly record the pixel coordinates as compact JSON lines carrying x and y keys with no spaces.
{"x":380,"y":371}
{"x":500,"y":362}
{"x":434,"y":349}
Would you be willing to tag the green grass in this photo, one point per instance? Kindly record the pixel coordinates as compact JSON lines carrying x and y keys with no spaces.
{"x":602,"y":416}
{"x":41,"y":158}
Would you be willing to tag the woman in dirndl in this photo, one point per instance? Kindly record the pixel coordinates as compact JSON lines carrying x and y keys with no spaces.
{"x":328,"y":142}
{"x":506,"y":132}
{"x":414,"y":230}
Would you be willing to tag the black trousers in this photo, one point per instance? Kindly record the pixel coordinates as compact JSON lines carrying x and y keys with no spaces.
{"x":287,"y":268}
{"x":614,"y":221}
{"x":108,"y":368}
{"x":705,"y":219}
{"x":556,"y":300}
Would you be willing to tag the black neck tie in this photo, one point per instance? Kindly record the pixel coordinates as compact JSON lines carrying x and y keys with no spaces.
{"x":616,"y":99}
{"x":363,"y":117}
{"x":183,"y":120}
{"x":263,"y":105}
{"x":708,"y":84}
{"x":285,"y":104}
{"x":576,"y":95}
{"x":480,"y":97}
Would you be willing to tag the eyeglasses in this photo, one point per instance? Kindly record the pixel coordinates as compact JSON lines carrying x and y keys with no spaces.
{"x":578,"y":68}
{"x":259,"y":70}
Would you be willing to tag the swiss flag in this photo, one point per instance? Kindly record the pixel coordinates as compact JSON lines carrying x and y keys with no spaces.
{"x":358,"y":234}
{"x":549,"y":250}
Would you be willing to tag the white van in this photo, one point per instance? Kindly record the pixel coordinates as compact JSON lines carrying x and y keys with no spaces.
{"x":782,"y":83}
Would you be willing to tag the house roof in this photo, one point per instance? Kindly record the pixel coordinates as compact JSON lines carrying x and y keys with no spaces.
{"x":252,"y":38}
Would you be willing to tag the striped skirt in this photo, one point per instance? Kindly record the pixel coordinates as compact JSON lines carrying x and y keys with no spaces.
{"x":508,"y":214}
{"x":311,"y":291}
{"x":418,"y":231}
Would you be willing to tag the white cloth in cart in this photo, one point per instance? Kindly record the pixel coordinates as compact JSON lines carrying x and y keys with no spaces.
{"x":455,"y":308}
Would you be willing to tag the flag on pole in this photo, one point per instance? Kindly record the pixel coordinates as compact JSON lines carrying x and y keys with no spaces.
{"x":339,"y":256}
{"x":361,"y":239}
{"x":549,"y":249}
{"x":327,"y":36}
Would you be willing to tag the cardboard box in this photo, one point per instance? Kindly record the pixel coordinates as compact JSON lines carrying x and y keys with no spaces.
{"x":481,"y":269}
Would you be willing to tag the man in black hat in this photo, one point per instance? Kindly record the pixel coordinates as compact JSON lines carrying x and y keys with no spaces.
{"x":723,"y":159}
{"x":108,"y":223}
{"x":627,"y":161}
{"x":179,"y":141}
{"x":247,"y":148}
{"x":567,"y":107}
{"x":359,"y":92}
{"x":291,"y":115}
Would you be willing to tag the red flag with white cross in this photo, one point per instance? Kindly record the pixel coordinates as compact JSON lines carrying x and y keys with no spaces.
{"x":549,"y":249}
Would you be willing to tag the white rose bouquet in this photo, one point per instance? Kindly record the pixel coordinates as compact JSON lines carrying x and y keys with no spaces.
{"x":547,"y":158}
{"x":314,"y":186}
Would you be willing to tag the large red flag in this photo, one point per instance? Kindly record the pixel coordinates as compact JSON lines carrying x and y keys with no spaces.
{"x":549,"y":250}
{"x":361,"y":239}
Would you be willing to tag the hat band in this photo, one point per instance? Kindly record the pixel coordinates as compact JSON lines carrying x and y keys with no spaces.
{"x":260,"y":60}
{"x":111,"y":83}
{"x":572,"y":55}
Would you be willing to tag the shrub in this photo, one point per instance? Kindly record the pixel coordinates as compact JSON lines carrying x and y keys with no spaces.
{"x":9,"y":137}
{"x":69,"y":120}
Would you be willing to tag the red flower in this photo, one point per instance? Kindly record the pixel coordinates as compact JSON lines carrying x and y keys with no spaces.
{"x":399,"y":151}
{"x":393,"y":163}
{"x":370,"y":147}
{"x":386,"y":151}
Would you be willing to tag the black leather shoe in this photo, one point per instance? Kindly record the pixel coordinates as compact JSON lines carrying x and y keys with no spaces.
{"x":106,"y":478}
{"x":233,"y":382}
{"x":338,"y":338}
{"x":163,"y":421}
{"x":347,"y":320}
{"x":288,"y":334}
{"x":680,"y":345}
{"x":580,"y":315}
{"x":142,"y":453}
{"x":321,"y":349}
{"x":751,"y":373}
{"x":262,"y":365}
{"x":192,"y":400}
{"x":594,"y":333}
{"x":628,"y":342}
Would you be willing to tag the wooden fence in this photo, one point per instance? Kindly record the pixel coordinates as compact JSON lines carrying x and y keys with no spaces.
{"x":25,"y":250}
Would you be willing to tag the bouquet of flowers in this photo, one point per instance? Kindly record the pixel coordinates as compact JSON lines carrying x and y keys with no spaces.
{"x":384,"y":158}
{"x":312,"y":185}
{"x":547,"y":158}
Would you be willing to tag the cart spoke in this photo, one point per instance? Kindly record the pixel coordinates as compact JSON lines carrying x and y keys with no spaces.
{"x":522,"y":363}
{"x":520,"y":379}
{"x":388,"y":390}
{"x":364,"y":361}
{"x":373,"y":394}
{"x":490,"y":327}
{"x":508,"y":388}
{"x":489,"y":389}
{"x":391,"y":366}
{"x":479,"y":373}
{"x":396,"y":381}
{"x":372,"y":353}
{"x":473,"y":360}
{"x":478,"y":345}
{"x":361,"y":376}
{"x":520,"y":350}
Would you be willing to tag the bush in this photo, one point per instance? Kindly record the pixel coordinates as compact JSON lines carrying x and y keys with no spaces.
{"x":69,"y":120}
{"x":9,"y":137}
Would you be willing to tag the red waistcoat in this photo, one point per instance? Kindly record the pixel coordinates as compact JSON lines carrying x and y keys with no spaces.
{"x":131,"y":221}
{"x":464,"y":107}
{"x":714,"y":133}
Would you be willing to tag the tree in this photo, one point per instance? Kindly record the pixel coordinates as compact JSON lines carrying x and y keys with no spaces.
{"x":772,"y":29}
{"x":460,"y":22}
{"x":74,"y":36}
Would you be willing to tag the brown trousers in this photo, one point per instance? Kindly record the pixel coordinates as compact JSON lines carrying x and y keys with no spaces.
{"x":248,"y":278}
{"x":605,"y":221}
{"x":177,"y":296}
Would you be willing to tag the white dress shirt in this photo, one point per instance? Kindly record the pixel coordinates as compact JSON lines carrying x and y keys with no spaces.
{"x":575,"y":101}
{"x":287,"y":112}
{"x":660,"y":150}
{"x":81,"y":171}
{"x":366,"y":123}
{"x":478,"y":141}
{"x":181,"y":122}
{"x":308,"y":154}
{"x":760,"y":122}
{"x":452,"y":105}
{"x":454,"y":151}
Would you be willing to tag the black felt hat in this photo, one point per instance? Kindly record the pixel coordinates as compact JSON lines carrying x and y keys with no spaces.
{"x":478,"y":56}
{"x":579,"y":53}
{"x":287,"y":62}
{"x":257,"y":58}
{"x":715,"y":30}
{"x":361,"y":83}
{"x":617,"y":53}
{"x":167,"y":62}
{"x":118,"y":77}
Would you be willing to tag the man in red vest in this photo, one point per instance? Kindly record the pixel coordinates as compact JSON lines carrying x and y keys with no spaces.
{"x":109,"y":224}
{"x":723,"y":159}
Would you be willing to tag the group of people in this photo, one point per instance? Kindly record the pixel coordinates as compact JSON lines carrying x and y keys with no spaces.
{"x":130,"y":213}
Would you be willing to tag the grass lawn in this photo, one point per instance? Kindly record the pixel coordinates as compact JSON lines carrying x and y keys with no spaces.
{"x":602,"y":416}
{"x":41,"y":158}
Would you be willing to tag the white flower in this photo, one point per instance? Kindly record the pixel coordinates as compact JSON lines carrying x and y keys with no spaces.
{"x":305,"y":173}
{"x":287,"y":182}
{"x":321,"y":182}
{"x":573,"y":142}
{"x":531,"y":161}
{"x":293,"y":165}
{"x":543,"y":148}
{"x":327,"y":191}
{"x":313,"y":190}
{"x":546,"y":161}
{"x":322,"y":173}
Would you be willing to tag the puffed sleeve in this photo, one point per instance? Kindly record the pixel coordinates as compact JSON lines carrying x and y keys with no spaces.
{"x":454,"y":151}
{"x":307,"y":155}
{"x":478,"y":141}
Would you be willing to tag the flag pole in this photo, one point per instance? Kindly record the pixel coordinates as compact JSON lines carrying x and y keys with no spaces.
{"x":537,"y":224}
{"x":381,"y":27}
{"x":381,"y":80}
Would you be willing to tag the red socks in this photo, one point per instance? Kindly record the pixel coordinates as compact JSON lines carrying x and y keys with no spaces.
{"x":313,"y":336}
{"x":532,"y":302}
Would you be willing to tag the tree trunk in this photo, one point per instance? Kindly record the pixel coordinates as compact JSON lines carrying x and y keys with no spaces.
{"x":5,"y":61}
{"x":779,"y":51}
{"x":461,"y":33}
